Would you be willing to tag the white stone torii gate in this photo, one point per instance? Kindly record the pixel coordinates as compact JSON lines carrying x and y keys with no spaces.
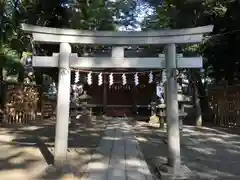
{"x":66,"y":60}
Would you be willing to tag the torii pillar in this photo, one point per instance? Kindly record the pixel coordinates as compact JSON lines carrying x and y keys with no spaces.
{"x":172,"y":107}
{"x":63,"y":105}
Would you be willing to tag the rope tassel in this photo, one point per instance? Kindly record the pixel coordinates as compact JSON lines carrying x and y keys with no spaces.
{"x":136,"y":80}
{"x":150,"y":76}
{"x":100,"y":79}
{"x":111,"y":79}
{"x":89,"y":78}
{"x":124,"y":79}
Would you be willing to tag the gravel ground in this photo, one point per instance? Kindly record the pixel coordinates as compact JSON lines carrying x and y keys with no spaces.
{"x":209,"y":153}
{"x":26,"y":152}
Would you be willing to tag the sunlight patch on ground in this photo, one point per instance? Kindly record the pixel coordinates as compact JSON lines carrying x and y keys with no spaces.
{"x":132,"y":162}
{"x":21,"y":163}
{"x":208,"y":175}
{"x":142,"y":139}
{"x":33,"y":152}
{"x":13,"y":174}
{"x":27,"y":128}
{"x":188,"y":130}
{"x":97,"y":166}
{"x":111,"y":138}
{"x":207,"y":151}
{"x":94,"y":134}
{"x":7,"y":138}
{"x":233,"y":151}
{"x":237,"y":143}
{"x":217,"y":174}
{"x":216,"y":139}
{"x":16,"y":160}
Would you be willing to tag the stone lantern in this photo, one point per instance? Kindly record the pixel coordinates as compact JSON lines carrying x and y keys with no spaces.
{"x":153,"y":108}
{"x":162,"y":112}
{"x":84,"y":98}
{"x":85,"y":116}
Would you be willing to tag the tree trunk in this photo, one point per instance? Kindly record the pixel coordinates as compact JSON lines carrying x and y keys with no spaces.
{"x":39,"y":81}
{"x":1,"y":88}
{"x":198,"y":109}
{"x":196,"y":100}
{"x":203,"y":99}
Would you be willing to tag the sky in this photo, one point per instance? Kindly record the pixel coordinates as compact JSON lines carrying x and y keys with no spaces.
{"x":143,"y":11}
{"x":142,"y":8}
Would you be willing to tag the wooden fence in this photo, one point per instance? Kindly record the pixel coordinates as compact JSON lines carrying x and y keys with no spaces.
{"x":48,"y":106}
{"x":20,"y":102}
{"x":225,"y":103}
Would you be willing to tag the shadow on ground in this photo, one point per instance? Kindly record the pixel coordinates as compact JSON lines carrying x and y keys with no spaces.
{"x":26,"y":152}
{"x":209,"y":152}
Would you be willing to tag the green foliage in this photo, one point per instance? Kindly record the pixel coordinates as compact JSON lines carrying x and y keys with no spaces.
{"x":219,"y":51}
{"x":85,"y":15}
{"x":10,"y":41}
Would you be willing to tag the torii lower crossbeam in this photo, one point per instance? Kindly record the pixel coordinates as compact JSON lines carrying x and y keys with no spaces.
{"x":116,"y":62}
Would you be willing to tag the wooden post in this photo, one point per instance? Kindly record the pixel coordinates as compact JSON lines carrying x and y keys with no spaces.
{"x":63,"y":105}
{"x":172,"y":109}
{"x":134,"y":92}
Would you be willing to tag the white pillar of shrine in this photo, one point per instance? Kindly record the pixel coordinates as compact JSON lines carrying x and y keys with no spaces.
{"x":63,"y":98}
{"x":172,"y":108}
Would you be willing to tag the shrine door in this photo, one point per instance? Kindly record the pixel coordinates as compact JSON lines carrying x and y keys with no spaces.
{"x":120,"y":95}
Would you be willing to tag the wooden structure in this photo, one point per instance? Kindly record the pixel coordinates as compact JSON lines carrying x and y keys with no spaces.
{"x":48,"y":106}
{"x":24,"y":103}
{"x":65,"y":60}
{"x":21,"y":103}
{"x":118,"y":97}
{"x":225,"y":103}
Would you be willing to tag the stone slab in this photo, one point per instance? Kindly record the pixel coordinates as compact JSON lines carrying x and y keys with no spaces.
{"x":136,"y":165}
{"x":98,"y":166}
{"x":116,"y":168}
{"x":118,"y":156}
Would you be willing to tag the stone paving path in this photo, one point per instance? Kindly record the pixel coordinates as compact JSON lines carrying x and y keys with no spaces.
{"x":118,"y":156}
